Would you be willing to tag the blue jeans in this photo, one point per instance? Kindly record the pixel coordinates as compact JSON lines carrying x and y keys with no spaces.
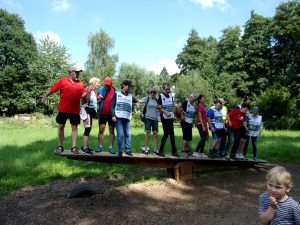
{"x":123,"y":134}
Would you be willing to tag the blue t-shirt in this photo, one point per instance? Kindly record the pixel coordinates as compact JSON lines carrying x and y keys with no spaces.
{"x":216,"y":118}
{"x":287,"y":213}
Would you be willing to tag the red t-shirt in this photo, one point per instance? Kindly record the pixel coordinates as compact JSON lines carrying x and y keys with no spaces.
{"x":200,"y":108}
{"x":70,"y":94}
{"x":236,"y":118}
{"x":107,"y":101}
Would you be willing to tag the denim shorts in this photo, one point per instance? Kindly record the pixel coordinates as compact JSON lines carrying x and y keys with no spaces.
{"x":151,"y":124}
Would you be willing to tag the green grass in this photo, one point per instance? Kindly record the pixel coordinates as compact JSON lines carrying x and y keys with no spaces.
{"x":26,"y":150}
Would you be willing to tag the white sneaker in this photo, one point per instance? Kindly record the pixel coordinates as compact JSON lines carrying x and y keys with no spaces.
{"x":195,"y":154}
{"x":202,"y":155}
{"x":237,"y":156}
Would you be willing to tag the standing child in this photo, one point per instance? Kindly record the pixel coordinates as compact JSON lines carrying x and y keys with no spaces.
{"x":275,"y":206}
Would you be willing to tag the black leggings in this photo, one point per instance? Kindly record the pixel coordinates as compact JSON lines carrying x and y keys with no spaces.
{"x":201,"y":144}
{"x":91,"y":112}
{"x":254,"y":149}
{"x":168,"y":128}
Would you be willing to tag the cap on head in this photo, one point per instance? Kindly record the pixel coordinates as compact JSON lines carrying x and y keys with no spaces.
{"x":108,"y":81}
{"x":255,"y":109}
{"x":75,"y":68}
{"x":127,"y":83}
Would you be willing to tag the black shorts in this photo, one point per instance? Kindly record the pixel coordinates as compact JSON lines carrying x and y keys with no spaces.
{"x":186,"y":131}
{"x":243,"y":132}
{"x":62,"y":117}
{"x":220,"y":133}
{"x":104,"y":118}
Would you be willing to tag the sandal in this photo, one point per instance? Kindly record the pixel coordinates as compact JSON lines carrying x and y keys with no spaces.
{"x":59,"y":149}
{"x":74,"y":150}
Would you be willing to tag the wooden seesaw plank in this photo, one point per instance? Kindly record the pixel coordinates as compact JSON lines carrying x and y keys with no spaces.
{"x":178,"y":167}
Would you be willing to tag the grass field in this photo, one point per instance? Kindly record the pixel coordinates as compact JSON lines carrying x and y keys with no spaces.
{"x":26,"y":153}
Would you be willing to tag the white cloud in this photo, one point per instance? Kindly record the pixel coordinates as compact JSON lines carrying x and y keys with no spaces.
{"x":221,"y":4}
{"x":13,"y":4}
{"x":170,"y":65}
{"x":52,"y":36}
{"x":61,"y":5}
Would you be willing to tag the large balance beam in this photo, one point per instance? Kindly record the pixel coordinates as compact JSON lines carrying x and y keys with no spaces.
{"x":179,"y":168}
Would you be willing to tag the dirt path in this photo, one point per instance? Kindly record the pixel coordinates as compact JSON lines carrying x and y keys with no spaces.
{"x":223,"y":197}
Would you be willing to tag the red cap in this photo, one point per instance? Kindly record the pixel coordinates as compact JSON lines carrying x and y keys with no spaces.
{"x":107,"y":81}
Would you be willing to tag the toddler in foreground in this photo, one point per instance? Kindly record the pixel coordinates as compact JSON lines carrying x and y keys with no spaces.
{"x":275,"y":206}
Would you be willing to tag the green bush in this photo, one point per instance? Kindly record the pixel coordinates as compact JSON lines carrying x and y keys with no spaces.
{"x":278,"y":109}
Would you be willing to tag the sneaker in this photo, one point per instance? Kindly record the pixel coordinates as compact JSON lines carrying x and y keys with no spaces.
{"x":129,"y":153}
{"x":145,"y":150}
{"x":255,"y":159}
{"x":156,"y":152}
{"x":85,"y":150}
{"x":202,"y":155}
{"x":99,"y":149}
{"x":120,"y":154}
{"x":162,"y":154}
{"x":196,"y":154}
{"x":112,"y":150}
{"x":242,"y":157}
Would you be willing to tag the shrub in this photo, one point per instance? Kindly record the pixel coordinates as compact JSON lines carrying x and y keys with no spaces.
{"x":278,"y":109}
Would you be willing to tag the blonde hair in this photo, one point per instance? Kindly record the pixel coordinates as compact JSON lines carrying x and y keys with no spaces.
{"x":279,"y":175}
{"x":94,"y":80}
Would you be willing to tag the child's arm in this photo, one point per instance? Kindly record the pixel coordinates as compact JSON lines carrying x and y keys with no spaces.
{"x":267,"y":216}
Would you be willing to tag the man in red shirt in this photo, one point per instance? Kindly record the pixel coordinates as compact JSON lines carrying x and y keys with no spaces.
{"x":71,"y":90}
{"x":105,"y":97}
{"x":236,"y":118}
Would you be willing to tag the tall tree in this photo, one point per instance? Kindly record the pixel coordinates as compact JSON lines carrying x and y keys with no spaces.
{"x":51,"y":63}
{"x":197,"y":54}
{"x":285,"y":31}
{"x":257,"y":52}
{"x":17,"y":49}
{"x":164,"y":76}
{"x":141,"y":78}
{"x":100,"y":61}
{"x":230,"y":53}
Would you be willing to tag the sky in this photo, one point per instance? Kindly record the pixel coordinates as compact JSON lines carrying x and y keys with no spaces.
{"x":149,"y":33}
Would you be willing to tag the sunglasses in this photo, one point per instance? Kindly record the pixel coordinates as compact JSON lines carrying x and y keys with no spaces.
{"x":167,"y":89}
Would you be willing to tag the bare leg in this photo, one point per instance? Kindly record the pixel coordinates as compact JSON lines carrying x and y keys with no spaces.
{"x":155,"y":140}
{"x":85,"y":141}
{"x":111,"y":136}
{"x":101,"y":134}
{"x":147,"y":138}
{"x":61,"y":134}
{"x":74,"y":135}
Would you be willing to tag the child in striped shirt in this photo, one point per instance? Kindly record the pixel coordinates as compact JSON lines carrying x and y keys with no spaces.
{"x":275,"y":206}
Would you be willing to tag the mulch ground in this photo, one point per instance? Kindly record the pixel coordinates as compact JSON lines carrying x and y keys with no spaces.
{"x":224,"y":196}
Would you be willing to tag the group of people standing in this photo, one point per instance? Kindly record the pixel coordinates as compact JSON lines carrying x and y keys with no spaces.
{"x":114,"y":107}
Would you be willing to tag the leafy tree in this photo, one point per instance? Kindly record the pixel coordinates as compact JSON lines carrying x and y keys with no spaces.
{"x":285,"y":31}
{"x":100,"y":61}
{"x":141,"y":78}
{"x":257,"y":52}
{"x":164,"y":76}
{"x":197,"y":54}
{"x":278,"y":108}
{"x":51,"y":63}
{"x":230,"y":54}
{"x":17,"y":49}
{"x":195,"y":83}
